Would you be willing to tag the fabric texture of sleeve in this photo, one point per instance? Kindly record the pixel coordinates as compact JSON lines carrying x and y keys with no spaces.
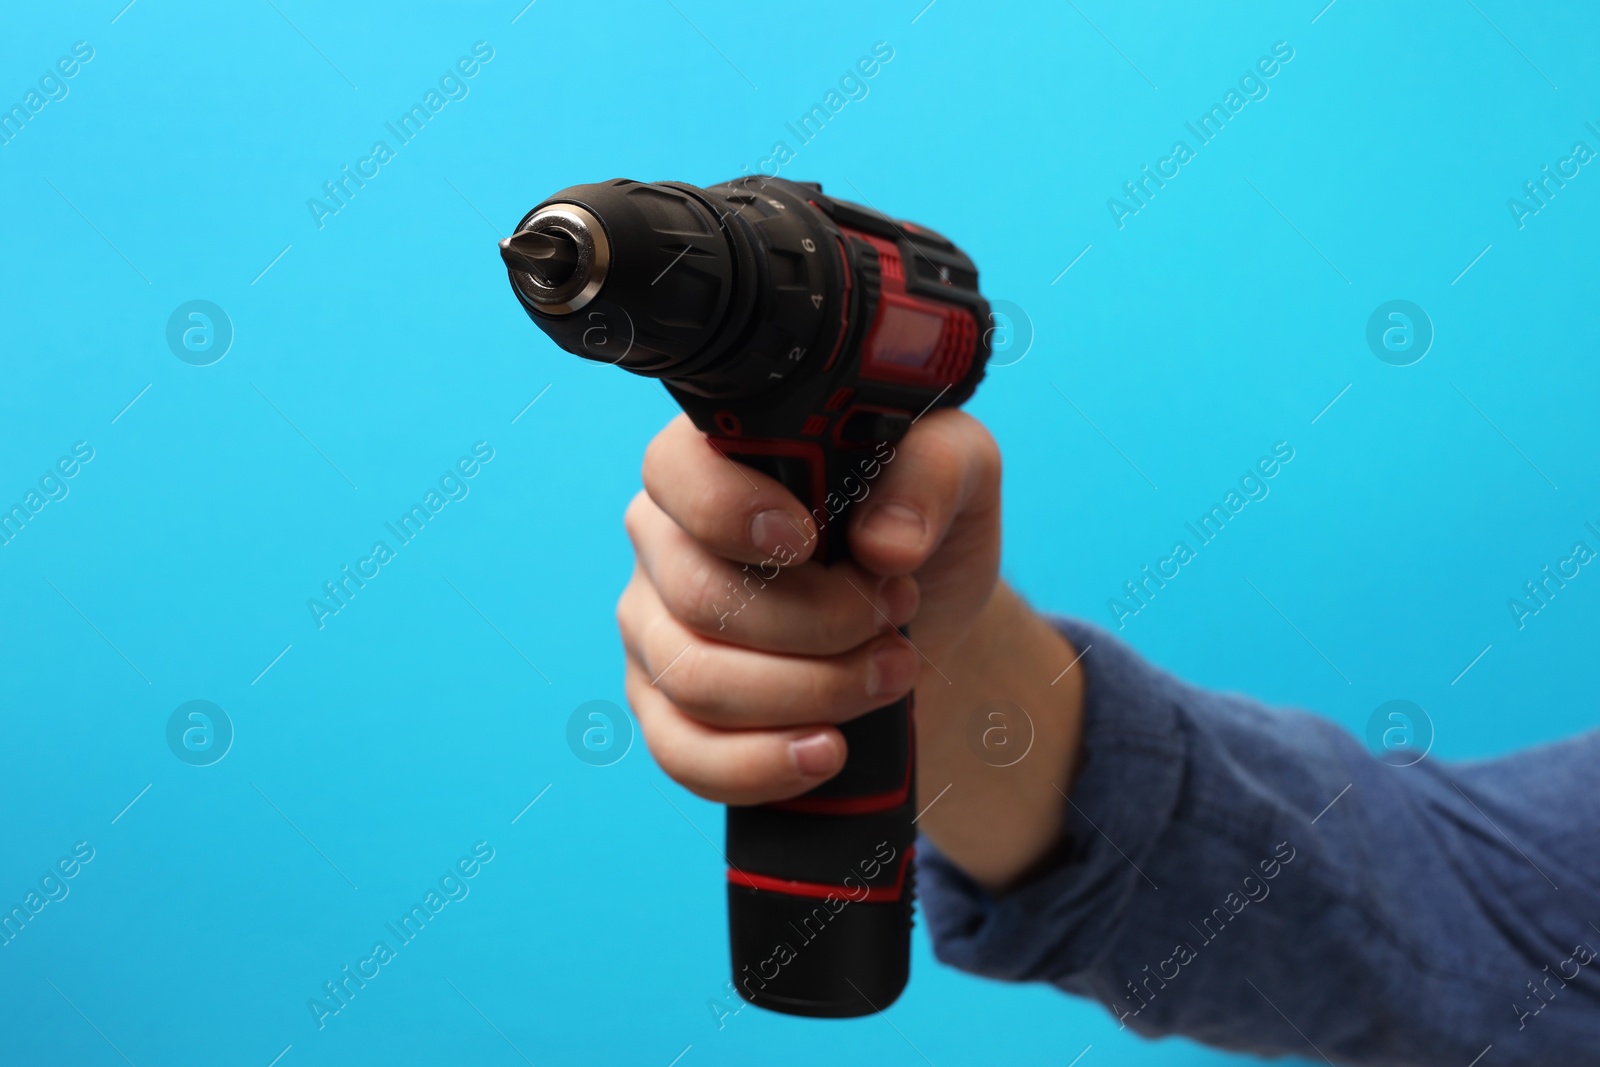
{"x":1254,"y":879}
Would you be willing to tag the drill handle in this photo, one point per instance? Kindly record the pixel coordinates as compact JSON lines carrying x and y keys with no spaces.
{"x":820,"y":888}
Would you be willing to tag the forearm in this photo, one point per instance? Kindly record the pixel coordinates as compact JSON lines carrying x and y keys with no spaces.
{"x":1204,"y":885}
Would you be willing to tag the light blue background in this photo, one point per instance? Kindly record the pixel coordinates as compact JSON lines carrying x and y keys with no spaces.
{"x":1213,"y":325}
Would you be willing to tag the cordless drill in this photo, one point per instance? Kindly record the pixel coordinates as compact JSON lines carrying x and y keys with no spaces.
{"x":803,"y":335}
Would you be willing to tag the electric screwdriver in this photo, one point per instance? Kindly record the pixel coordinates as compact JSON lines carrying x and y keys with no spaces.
{"x":803,"y":335}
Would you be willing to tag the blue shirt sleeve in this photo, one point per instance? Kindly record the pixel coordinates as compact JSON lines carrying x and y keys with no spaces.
{"x":1254,"y":879}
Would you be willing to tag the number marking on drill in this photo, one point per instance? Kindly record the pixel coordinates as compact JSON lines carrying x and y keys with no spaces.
{"x":816,"y":300}
{"x":797,"y":353}
{"x":808,"y":244}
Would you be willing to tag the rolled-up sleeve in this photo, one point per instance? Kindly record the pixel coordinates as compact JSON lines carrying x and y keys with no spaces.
{"x":1254,"y":879}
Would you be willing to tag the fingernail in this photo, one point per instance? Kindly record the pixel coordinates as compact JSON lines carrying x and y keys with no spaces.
{"x":771,"y":530}
{"x":891,"y":670}
{"x":900,"y":597}
{"x":814,"y":754}
{"x":896,"y":522}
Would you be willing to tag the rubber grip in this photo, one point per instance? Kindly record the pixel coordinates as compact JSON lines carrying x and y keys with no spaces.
{"x":821,"y":887}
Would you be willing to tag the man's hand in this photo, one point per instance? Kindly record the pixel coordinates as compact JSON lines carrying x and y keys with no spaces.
{"x":738,"y":676}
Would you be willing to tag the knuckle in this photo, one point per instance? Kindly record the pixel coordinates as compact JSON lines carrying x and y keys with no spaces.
{"x":632,"y":608}
{"x":633,"y":690}
{"x":696,"y":594}
{"x":633,"y":519}
{"x":624,"y":614}
{"x":716,"y":510}
{"x":627,"y":607}
{"x":826,"y":689}
{"x":685,"y":678}
{"x":846,"y":617}
{"x":674,"y":755}
{"x":656,"y":456}
{"x":942,"y":470}
{"x":985,"y":450}
{"x":668,"y":752}
{"x":955,"y":436}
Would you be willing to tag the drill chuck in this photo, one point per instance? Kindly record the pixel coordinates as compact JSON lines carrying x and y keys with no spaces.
{"x":558,"y":258}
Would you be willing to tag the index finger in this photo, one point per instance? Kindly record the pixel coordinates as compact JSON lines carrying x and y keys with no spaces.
{"x":737,"y":512}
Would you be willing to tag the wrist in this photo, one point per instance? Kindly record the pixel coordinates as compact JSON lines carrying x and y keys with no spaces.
{"x":999,"y":718}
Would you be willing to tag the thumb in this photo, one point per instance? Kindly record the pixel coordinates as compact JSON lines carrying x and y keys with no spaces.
{"x":945,"y":468}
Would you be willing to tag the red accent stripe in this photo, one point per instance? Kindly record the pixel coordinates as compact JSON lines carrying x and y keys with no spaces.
{"x":944,"y":360}
{"x":846,"y":805}
{"x":844,"y":303}
{"x":819,"y":891}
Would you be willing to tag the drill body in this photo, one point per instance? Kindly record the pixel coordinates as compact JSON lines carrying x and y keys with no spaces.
{"x":803,"y":335}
